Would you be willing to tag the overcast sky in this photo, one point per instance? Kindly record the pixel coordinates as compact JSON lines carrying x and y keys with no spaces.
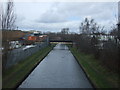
{"x":53,"y":16}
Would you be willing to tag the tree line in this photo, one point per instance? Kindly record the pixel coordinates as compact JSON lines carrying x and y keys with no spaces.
{"x":106,"y":51}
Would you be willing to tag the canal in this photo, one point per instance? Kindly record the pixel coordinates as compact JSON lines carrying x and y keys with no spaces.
{"x":58,"y":69}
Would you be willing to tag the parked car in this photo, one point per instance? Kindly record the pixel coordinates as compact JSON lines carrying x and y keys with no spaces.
{"x":15,"y":44}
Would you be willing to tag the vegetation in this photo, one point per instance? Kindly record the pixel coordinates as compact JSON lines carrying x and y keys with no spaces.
{"x":100,"y":59}
{"x":106,"y":51}
{"x":8,"y":16}
{"x":13,"y":76}
{"x":7,"y":22}
{"x":89,"y":41}
{"x":100,"y":76}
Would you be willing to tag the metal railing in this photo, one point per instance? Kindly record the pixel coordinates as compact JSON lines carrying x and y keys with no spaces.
{"x":17,"y":55}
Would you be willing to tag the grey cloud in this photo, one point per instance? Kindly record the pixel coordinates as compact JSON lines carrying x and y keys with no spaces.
{"x":59,"y":15}
{"x":52,"y":17}
{"x":60,"y":12}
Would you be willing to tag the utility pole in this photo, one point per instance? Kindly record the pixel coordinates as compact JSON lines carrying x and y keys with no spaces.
{"x":118,"y":20}
{"x":118,"y":33}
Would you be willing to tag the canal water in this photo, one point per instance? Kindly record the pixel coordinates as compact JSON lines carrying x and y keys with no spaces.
{"x":58,"y":69}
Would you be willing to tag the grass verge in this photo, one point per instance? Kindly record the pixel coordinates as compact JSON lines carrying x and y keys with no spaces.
{"x":13,"y":76}
{"x":100,"y":76}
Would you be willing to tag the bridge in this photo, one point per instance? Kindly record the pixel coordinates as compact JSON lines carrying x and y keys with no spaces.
{"x":61,"y":41}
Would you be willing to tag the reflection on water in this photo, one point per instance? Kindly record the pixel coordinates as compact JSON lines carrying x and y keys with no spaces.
{"x":61,"y":47}
{"x":58,"y":70}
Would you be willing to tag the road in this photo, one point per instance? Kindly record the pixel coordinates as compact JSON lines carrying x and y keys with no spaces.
{"x":59,"y":69}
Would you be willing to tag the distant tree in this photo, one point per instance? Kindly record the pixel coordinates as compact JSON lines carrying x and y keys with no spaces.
{"x":114,"y":31}
{"x":65,"y":31}
{"x":89,"y":30}
{"x":84,"y":27}
{"x":94,"y":27}
{"x":8,"y":16}
{"x":89,"y":26}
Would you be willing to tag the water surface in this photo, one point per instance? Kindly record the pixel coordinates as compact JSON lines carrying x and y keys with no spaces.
{"x":58,"y":69}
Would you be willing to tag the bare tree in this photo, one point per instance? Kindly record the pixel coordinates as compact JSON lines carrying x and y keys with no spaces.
{"x":8,"y":17}
{"x":65,"y":31}
{"x":85,"y":26}
{"x":89,"y":27}
{"x":1,"y":16}
{"x":8,"y":23}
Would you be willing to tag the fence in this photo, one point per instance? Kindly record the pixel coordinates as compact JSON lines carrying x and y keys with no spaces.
{"x":17,"y":55}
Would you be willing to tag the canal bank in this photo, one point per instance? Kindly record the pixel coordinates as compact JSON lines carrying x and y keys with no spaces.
{"x":58,"y":69}
{"x":99,"y":76}
{"x":15,"y":75}
{"x":87,"y":75}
